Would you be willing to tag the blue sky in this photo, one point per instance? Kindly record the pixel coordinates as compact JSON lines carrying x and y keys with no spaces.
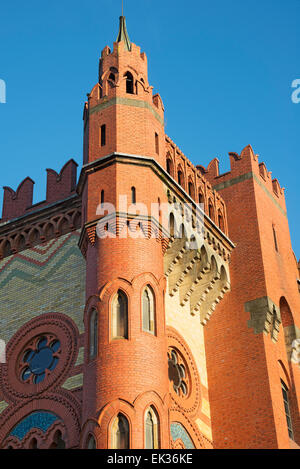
{"x":224,"y":70}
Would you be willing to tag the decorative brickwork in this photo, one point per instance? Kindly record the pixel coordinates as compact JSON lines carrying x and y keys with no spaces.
{"x":224,"y":319}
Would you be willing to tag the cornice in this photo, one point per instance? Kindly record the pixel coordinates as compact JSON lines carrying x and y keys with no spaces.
{"x":138,"y":160}
{"x":39,"y":215}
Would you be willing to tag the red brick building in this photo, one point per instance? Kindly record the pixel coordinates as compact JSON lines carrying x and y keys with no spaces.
{"x":123,"y":331}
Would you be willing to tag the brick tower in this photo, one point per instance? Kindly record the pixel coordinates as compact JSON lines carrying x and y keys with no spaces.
{"x":255,"y":327}
{"x":125,"y":370}
{"x":119,"y":330}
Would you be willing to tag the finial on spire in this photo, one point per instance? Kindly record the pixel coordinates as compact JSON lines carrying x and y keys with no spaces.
{"x":123,"y":34}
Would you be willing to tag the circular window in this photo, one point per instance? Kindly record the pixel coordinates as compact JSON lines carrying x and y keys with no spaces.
{"x":177,"y":373}
{"x":39,"y":359}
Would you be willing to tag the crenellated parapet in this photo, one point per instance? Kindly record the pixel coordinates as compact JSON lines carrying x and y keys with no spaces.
{"x":244,"y":166}
{"x":122,"y":106}
{"x":63,"y":184}
{"x":16,"y":202}
{"x":24,"y":225}
{"x":195,"y":184}
{"x":59,"y":187}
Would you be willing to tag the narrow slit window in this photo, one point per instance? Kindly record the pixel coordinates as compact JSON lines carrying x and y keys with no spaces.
{"x":156,"y":143}
{"x":169,"y":166}
{"x":133,"y":195}
{"x":275,"y":239}
{"x":211,"y":211}
{"x":180,"y":177}
{"x":285,"y":396}
{"x":220,"y":221}
{"x":103,"y":135}
{"x":93,"y":334}
{"x":191,"y":190}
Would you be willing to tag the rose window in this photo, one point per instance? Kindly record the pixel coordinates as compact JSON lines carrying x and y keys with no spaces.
{"x":39,"y":359}
{"x":177,"y":373}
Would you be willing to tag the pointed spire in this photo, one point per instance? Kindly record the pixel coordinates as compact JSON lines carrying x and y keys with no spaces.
{"x":123,"y":34}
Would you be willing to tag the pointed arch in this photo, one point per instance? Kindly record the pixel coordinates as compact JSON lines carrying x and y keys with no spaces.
{"x":119,"y":316}
{"x":170,"y":165}
{"x":120,"y":436}
{"x":180,"y":176}
{"x":191,"y":189}
{"x":211,"y":210}
{"x":91,"y":442}
{"x":200,"y":197}
{"x":288,"y":325}
{"x":152,"y":429}
{"x":221,"y":220}
{"x":148,"y":310}
{"x":129,"y":83}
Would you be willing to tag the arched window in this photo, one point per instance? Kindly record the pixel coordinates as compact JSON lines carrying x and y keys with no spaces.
{"x":151,"y":429}
{"x":191,"y":190}
{"x":120,"y":433}
{"x":285,"y":395}
{"x":201,"y":198}
{"x":133,"y":195}
{"x":120,"y":316}
{"x":93,"y":334}
{"x":91,"y":442}
{"x":33,"y":444}
{"x":112,"y":77}
{"x":102,"y":197}
{"x":169,"y":166}
{"x":58,"y":442}
{"x":129,"y":83}
{"x":180,"y":177}
{"x":211,"y":211}
{"x":220,"y":220}
{"x":148,"y":310}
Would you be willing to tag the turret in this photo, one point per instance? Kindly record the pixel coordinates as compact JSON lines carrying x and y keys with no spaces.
{"x":125,"y":371}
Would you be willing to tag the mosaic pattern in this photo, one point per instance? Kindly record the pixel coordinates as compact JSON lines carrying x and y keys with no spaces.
{"x":39,"y":420}
{"x":44,"y":279}
{"x":179,"y":432}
